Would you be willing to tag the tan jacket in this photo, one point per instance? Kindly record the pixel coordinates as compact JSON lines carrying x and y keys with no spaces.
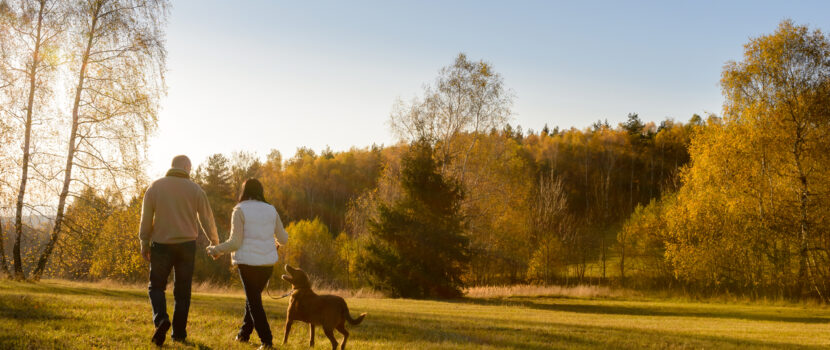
{"x":172,"y":210}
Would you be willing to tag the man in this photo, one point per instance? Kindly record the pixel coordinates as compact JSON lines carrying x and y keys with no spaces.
{"x":173,"y":208}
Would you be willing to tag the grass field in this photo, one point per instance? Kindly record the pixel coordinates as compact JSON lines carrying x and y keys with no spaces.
{"x":66,"y":315}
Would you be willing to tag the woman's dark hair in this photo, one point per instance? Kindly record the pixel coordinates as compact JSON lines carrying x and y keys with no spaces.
{"x":252,"y":189}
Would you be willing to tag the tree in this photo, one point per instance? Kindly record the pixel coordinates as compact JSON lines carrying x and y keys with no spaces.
{"x":751,"y":214}
{"x":311,"y":186}
{"x":244,"y":165}
{"x":780,"y":93}
{"x":418,"y":248}
{"x":83,"y":227}
{"x":7,"y":153}
{"x":312,"y":248}
{"x":467,"y":97}
{"x":454,"y":114}
{"x":642,"y":244}
{"x":112,"y":257}
{"x":609,"y":145}
{"x":551,"y":224}
{"x":3,"y":263}
{"x":214,"y":176}
{"x":29,"y":57}
{"x":120,"y":64}
{"x":496,"y":209}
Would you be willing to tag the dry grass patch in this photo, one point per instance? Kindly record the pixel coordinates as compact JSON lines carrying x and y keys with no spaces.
{"x":532,"y":290}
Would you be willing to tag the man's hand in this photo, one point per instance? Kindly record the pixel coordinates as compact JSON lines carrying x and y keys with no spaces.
{"x":145,"y":253}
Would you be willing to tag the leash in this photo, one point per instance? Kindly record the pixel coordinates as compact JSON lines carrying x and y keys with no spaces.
{"x":268,"y":292}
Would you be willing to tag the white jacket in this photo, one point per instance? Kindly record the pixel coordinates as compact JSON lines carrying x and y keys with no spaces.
{"x":254,"y":225}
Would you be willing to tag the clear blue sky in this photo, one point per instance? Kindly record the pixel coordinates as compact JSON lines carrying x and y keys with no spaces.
{"x":261,"y":75}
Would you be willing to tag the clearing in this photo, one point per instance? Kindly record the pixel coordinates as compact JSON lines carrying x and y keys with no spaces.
{"x":66,"y":315}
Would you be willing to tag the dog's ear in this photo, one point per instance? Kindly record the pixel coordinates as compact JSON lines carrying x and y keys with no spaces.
{"x":287,"y":278}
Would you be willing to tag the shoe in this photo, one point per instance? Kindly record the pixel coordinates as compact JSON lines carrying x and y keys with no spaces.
{"x":161,"y":333}
{"x":266,"y":347}
{"x":179,"y":340}
{"x":240,"y":339}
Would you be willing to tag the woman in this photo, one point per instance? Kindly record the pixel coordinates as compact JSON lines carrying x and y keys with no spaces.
{"x":254,"y":224}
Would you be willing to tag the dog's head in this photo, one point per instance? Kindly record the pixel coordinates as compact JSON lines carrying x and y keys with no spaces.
{"x":296,"y":277}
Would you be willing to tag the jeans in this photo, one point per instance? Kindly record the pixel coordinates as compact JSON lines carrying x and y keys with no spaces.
{"x":254,"y":279}
{"x":178,"y":257}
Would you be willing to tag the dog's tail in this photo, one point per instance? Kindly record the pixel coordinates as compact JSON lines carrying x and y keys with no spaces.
{"x":354,"y":321}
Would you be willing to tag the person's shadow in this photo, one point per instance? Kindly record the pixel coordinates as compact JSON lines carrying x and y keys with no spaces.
{"x":192,"y":344}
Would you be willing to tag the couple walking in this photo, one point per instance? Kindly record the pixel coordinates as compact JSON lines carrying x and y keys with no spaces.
{"x":173,"y":208}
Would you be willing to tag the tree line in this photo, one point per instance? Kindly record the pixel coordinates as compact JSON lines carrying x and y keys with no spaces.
{"x":538,"y":207}
{"x":735,"y":204}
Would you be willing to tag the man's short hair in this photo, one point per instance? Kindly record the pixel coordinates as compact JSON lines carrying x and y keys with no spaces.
{"x":181,"y":162}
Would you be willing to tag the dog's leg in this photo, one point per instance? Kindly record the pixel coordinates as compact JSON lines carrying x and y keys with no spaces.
{"x":311,"y":330}
{"x":287,"y":330}
{"x":330,"y":333}
{"x":342,"y":329}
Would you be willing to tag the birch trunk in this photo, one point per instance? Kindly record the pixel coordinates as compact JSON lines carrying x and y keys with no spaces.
{"x":3,"y":263}
{"x":70,"y":154}
{"x":24,"y":177}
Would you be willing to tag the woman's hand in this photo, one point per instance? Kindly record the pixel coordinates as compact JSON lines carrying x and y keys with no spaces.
{"x":211,"y":250}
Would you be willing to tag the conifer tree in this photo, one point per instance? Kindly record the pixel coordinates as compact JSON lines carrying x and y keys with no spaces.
{"x":418,"y":248}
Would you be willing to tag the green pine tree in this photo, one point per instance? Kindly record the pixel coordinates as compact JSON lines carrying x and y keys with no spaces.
{"x":418,"y":248}
{"x":215,"y":178}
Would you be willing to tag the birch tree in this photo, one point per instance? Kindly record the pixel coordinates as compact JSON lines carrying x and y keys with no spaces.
{"x":30,"y":46}
{"x":752,"y":213}
{"x":6,"y":152}
{"x":780,"y":94}
{"x":551,"y":224}
{"x":467,"y":97}
{"x":119,"y":61}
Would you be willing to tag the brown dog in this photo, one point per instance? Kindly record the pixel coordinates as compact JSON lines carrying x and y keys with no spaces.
{"x":327,"y":311}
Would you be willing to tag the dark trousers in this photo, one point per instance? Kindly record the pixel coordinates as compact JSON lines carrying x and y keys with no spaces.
{"x":178,"y":257}
{"x":254,"y":280}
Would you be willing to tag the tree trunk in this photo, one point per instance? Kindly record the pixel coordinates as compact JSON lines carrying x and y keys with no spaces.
{"x":604,"y":254}
{"x":803,"y":278}
{"x":24,"y":177}
{"x":70,"y":154}
{"x":651,"y":170}
{"x":622,"y":262}
{"x":631,"y":184}
{"x":5,"y":265}
{"x":803,"y":192}
{"x":605,"y":215}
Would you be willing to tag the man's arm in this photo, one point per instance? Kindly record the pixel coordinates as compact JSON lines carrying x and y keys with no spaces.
{"x":145,"y":227}
{"x":206,"y":218}
{"x":237,"y":232}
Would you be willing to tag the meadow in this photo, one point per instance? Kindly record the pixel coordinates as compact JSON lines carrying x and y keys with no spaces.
{"x":55,"y":314}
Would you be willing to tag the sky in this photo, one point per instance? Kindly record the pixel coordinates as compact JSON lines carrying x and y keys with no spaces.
{"x":261,"y":75}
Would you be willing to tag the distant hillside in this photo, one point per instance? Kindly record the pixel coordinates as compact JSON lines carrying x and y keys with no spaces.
{"x":30,"y":220}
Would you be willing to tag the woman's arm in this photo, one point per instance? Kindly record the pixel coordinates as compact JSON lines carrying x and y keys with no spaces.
{"x":235,"y":240}
{"x":279,"y":232}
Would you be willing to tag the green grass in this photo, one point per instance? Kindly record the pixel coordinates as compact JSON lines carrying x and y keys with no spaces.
{"x":65,"y":315}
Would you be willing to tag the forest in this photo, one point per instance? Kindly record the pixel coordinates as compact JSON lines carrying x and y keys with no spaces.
{"x":737,"y":203}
